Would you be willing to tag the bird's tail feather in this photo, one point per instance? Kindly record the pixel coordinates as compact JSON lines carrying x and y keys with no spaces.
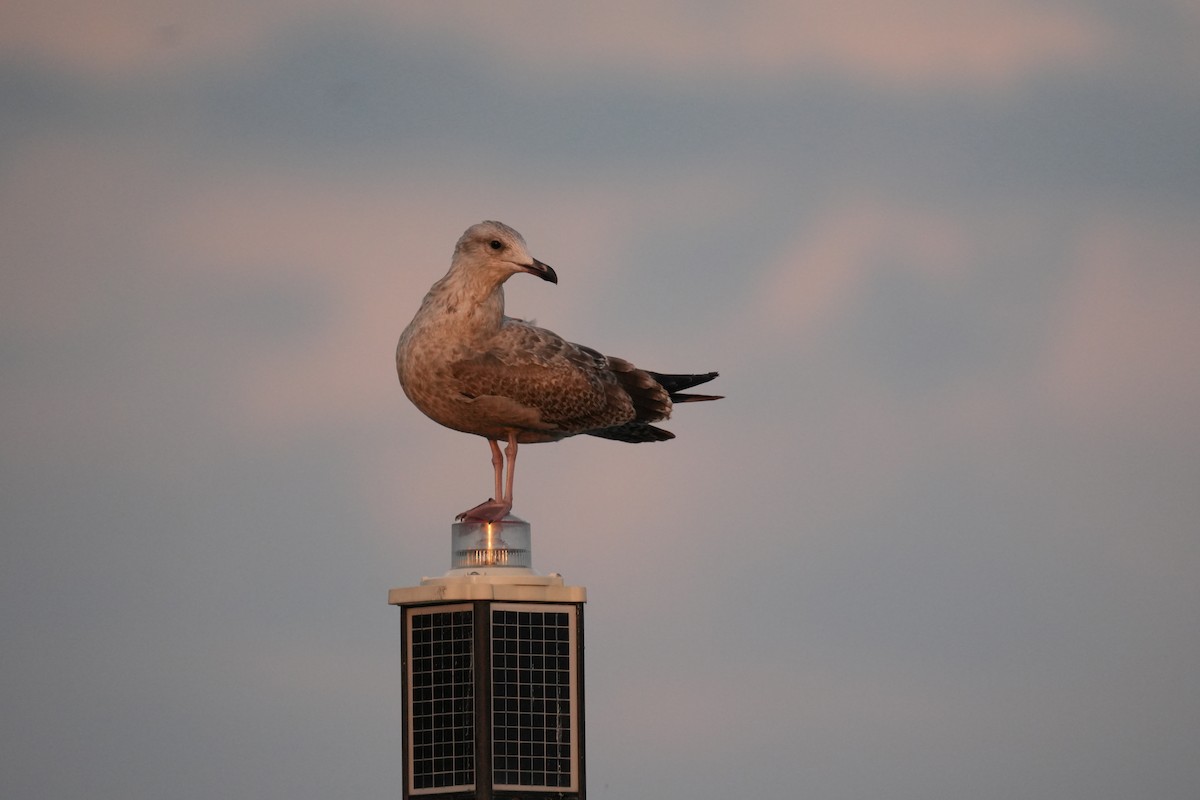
{"x":648,"y":402}
{"x":675,"y":384}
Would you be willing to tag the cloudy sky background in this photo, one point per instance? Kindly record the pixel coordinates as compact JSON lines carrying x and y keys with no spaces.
{"x":940,"y":540}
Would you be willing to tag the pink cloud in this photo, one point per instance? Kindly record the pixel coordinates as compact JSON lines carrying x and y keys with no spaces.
{"x":818,"y":277}
{"x":125,"y":36}
{"x":1124,"y":352}
{"x":892,"y":42}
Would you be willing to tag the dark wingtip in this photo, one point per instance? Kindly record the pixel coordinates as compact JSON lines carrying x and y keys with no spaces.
{"x":634,"y":433}
{"x":695,"y":398}
{"x":677,"y":383}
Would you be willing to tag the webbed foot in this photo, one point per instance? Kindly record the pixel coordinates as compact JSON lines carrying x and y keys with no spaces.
{"x":491,"y":511}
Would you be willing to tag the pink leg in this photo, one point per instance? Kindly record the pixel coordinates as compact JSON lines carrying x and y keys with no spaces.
{"x":496,"y":508}
{"x":497,"y":465}
{"x":511,"y":452}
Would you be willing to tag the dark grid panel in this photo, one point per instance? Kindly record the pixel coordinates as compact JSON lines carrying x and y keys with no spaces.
{"x":442,"y":725}
{"x":532,"y":719}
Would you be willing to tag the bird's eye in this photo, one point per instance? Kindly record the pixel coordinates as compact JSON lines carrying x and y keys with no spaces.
{"x":495,"y":244}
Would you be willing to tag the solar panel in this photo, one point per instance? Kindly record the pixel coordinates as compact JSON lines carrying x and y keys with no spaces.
{"x":442,"y":699}
{"x":532,"y":693}
{"x":533,"y":696}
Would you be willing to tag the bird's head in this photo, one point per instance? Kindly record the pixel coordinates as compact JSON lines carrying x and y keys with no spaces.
{"x":497,"y":250}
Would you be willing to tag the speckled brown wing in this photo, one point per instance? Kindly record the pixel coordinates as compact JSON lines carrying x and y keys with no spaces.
{"x":571,"y":387}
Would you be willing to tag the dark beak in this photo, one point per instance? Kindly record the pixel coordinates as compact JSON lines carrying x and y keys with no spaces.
{"x":543,"y":271}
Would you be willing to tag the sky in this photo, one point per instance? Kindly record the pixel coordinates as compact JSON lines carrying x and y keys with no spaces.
{"x":939,"y":541}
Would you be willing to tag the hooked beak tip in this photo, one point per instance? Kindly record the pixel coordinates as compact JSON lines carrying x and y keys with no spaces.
{"x":543,"y":271}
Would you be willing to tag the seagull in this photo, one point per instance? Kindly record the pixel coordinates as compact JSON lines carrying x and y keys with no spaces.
{"x":469,"y":367}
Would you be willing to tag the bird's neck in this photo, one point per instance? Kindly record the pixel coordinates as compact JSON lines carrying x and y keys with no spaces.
{"x":471,"y":304}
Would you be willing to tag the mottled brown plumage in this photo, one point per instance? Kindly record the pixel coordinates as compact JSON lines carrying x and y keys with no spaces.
{"x":471,"y":368}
